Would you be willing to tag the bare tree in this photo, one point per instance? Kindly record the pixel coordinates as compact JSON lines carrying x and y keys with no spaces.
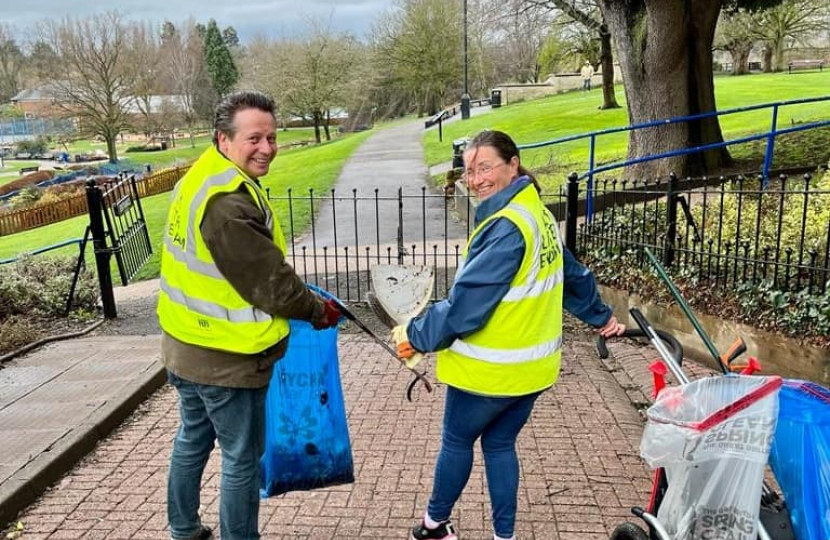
{"x":312,"y":76}
{"x":520,"y":36}
{"x":143,"y":54}
{"x":796,"y":21}
{"x":92,"y":80}
{"x":184,"y":66}
{"x":736,"y":34}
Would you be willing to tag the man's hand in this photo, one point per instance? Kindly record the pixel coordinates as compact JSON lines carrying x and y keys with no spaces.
{"x":331,"y":315}
{"x":612,"y":328}
{"x":406,"y":351}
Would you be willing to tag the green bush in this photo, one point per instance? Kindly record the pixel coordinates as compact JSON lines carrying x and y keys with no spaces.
{"x":26,"y":197}
{"x":143,"y":148}
{"x":34,"y":146}
{"x":15,"y":332}
{"x":793,"y":198}
{"x":794,"y":312}
{"x":40,"y":286}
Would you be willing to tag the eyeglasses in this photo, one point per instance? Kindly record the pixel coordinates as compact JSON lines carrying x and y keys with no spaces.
{"x":482,"y":171}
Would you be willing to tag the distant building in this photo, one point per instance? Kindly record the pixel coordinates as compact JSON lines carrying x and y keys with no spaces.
{"x":39,"y":102}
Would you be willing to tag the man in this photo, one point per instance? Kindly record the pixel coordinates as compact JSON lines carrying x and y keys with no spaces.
{"x":226,"y":295}
{"x":587,"y":72}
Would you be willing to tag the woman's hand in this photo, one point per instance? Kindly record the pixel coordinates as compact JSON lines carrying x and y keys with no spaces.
{"x":612,"y":328}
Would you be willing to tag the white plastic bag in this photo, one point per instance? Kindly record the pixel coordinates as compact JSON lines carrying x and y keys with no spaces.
{"x":712,"y":436}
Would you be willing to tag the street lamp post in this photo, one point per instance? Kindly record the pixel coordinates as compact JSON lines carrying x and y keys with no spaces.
{"x":465,"y":97}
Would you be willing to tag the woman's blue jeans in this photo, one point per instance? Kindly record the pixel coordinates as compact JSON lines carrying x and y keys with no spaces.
{"x":236,"y":418}
{"x":498,"y":421}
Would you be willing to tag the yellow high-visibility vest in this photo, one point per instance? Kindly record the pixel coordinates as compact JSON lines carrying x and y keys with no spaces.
{"x":197,"y":305}
{"x":518,"y":350}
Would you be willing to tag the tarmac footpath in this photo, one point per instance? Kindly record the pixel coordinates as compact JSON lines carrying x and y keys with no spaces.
{"x":581,"y":470}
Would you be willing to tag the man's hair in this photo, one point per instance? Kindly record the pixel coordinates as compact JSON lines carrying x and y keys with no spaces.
{"x":233,"y":103}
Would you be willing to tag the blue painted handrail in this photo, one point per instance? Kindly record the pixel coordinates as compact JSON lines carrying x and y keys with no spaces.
{"x":45,"y":249}
{"x":768,"y":135}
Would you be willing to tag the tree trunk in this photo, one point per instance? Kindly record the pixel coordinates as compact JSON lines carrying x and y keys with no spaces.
{"x":767,"y":54}
{"x":740,"y":59}
{"x":326,"y":125}
{"x":665,"y":53}
{"x":316,"y":119}
{"x":779,"y":55}
{"x":112,"y":151}
{"x":606,"y":58}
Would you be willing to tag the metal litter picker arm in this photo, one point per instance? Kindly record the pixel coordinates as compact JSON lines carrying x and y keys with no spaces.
{"x":360,"y":324}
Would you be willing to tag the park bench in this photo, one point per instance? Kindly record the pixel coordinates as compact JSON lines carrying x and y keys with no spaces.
{"x":805,"y":64}
{"x":27,"y":170}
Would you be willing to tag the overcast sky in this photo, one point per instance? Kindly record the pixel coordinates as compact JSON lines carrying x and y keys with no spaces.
{"x":249,"y":17}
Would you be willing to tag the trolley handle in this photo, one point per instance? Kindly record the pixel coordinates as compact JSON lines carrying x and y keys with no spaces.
{"x":669,"y":340}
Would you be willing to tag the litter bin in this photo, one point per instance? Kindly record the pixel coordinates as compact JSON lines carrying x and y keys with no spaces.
{"x":458,"y":147}
{"x":164,"y":145}
{"x":495,"y":98}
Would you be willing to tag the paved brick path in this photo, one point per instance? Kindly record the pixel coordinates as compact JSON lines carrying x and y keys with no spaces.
{"x":580,"y":466}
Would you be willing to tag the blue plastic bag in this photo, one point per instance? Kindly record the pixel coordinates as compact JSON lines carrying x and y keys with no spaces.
{"x":800,"y":457}
{"x":306,"y":435}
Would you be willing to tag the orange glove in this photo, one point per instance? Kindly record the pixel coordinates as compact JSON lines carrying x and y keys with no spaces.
{"x":406,"y":351}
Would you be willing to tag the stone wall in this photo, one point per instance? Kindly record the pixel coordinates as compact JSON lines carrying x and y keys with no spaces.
{"x":555,"y":84}
{"x":778,"y":354}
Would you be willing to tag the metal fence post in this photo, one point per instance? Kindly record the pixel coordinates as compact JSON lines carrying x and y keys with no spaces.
{"x":770,"y":145}
{"x":401,"y":248}
{"x":99,"y":243}
{"x":671,"y":220}
{"x":589,"y":201}
{"x":571,"y":211}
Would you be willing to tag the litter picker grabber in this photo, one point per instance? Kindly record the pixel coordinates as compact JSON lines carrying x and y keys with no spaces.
{"x":360,"y":324}
{"x":724,"y":360}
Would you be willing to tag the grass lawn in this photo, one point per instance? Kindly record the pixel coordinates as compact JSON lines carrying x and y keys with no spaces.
{"x":576,"y":112}
{"x":302,"y":168}
{"x":11,"y":169}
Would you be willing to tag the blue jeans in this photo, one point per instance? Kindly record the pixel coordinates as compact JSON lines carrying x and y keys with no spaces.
{"x":498,"y":421}
{"x":236,"y":417}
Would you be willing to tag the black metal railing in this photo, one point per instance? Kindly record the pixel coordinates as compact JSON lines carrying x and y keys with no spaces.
{"x":337,"y":237}
{"x":724,"y":232}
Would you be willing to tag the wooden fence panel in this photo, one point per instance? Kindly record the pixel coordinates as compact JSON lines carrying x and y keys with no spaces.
{"x":30,"y":218}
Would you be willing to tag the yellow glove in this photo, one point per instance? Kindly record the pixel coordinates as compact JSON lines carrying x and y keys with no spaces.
{"x":406,"y":351}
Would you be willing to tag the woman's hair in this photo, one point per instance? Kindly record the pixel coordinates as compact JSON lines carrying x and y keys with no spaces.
{"x":233,"y":103}
{"x":504,"y":147}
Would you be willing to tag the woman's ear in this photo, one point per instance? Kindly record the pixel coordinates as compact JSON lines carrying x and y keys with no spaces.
{"x":514,"y":166}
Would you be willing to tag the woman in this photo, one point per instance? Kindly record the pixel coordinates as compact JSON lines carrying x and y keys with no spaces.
{"x":499,"y":333}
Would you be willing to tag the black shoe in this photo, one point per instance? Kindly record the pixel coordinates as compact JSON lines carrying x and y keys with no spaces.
{"x":444,"y":531}
{"x":203,"y":533}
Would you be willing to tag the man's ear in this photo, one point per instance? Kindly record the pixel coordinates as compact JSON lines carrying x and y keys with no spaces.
{"x":222,"y":141}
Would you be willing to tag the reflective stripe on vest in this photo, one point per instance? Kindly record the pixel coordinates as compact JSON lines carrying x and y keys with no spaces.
{"x":507,"y":356}
{"x":534,"y":287}
{"x":516,"y":293}
{"x":212,"y":309}
{"x":517,"y":351}
{"x":197,"y":305}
